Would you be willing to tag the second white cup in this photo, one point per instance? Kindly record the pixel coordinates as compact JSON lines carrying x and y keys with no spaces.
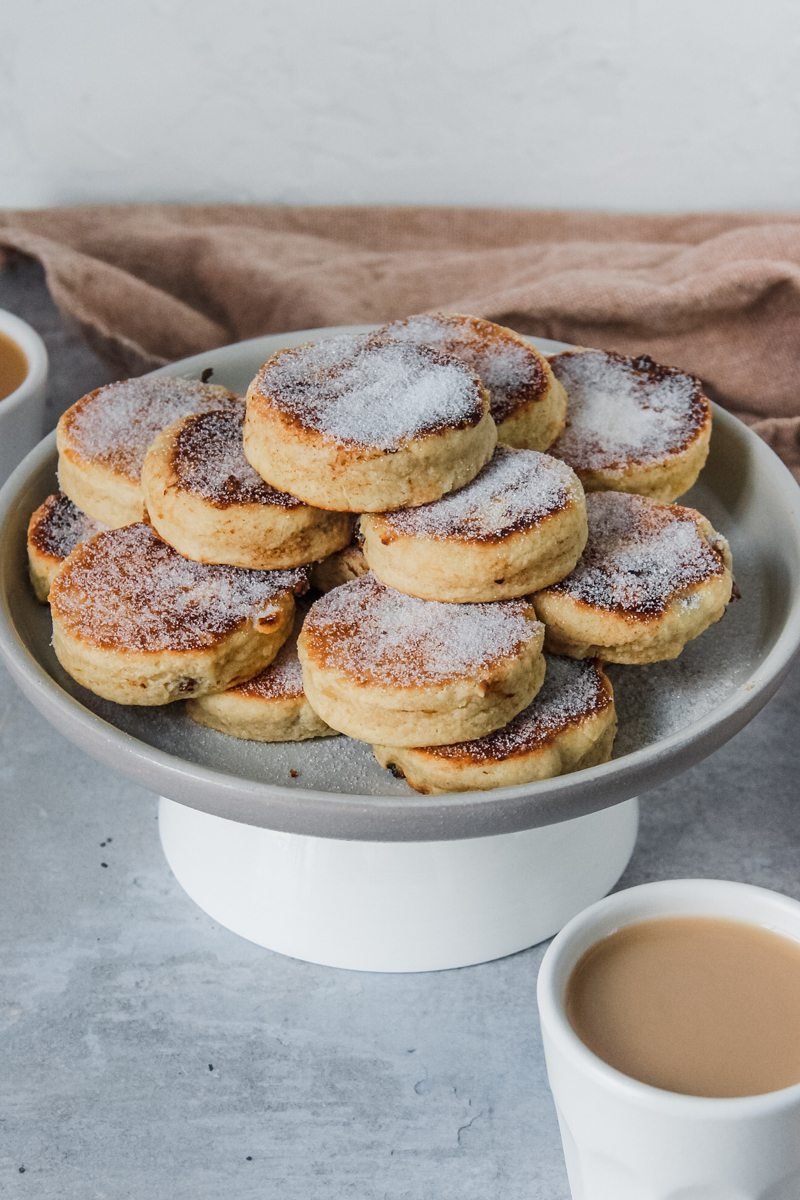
{"x":626,"y":1140}
{"x":22,"y":412}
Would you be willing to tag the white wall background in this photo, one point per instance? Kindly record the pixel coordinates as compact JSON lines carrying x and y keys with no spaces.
{"x":619,"y":104}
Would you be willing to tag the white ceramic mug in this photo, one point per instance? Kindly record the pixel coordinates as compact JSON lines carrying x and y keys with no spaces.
{"x":625,"y":1140}
{"x":22,"y":411}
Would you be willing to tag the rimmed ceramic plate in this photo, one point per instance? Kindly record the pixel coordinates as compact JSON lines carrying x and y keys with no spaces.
{"x":671,"y":714}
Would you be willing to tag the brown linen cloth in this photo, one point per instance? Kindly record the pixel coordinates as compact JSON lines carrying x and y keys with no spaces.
{"x":716,"y":294}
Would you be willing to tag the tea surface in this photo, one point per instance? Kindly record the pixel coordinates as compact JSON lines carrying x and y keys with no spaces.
{"x":699,"y":1005}
{"x":13,"y":366}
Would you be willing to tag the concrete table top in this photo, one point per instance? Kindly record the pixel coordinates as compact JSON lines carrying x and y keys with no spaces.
{"x":147,"y":1052}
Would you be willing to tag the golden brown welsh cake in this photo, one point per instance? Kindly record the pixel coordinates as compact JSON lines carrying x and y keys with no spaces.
{"x":633,"y":425}
{"x":652,"y":577}
{"x":363,"y":423}
{"x":527,"y":402}
{"x":136,"y":623}
{"x":270,"y":707}
{"x":103,"y":438}
{"x":518,"y":526}
{"x":205,"y":499}
{"x":341,"y":567}
{"x":385,"y":667}
{"x":570,"y":724}
{"x":54,"y":530}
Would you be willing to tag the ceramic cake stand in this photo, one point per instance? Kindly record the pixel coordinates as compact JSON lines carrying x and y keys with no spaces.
{"x":313,"y":850}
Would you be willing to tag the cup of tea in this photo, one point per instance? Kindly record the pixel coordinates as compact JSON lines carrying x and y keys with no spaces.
{"x":23,"y":379}
{"x":670,"y":1016}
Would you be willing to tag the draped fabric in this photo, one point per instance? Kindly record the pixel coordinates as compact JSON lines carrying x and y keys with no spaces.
{"x":715,"y":294}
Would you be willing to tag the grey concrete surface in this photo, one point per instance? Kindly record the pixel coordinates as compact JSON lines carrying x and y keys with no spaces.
{"x":147,"y":1052}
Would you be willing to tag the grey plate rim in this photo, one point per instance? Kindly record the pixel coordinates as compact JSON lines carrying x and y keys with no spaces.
{"x":392,"y":818}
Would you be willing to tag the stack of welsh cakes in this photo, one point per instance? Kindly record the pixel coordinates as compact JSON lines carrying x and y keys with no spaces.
{"x":483,"y":529}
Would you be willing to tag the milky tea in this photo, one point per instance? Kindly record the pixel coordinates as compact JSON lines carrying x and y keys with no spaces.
{"x":13,"y":366}
{"x":704,"y":1006}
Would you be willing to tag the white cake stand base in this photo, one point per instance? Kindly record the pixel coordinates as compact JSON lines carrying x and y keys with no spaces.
{"x":396,"y":906}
